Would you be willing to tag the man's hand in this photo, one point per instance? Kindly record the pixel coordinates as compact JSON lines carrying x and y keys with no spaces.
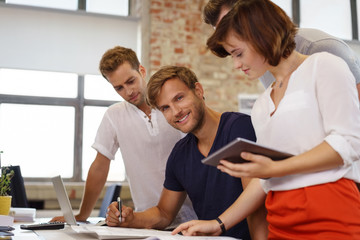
{"x":58,"y":219}
{"x":113,"y":214}
{"x":62,"y":219}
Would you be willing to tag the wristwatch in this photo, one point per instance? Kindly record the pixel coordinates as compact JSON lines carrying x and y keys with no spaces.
{"x":222,"y":226}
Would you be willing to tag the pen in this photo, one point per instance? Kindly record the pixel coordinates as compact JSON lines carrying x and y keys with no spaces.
{"x":119,"y":206}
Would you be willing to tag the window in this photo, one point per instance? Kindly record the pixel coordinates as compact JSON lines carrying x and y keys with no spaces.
{"x":110,"y":7}
{"x":38,"y":83}
{"x":358,"y":18}
{"x":285,"y":5}
{"x":96,"y":87}
{"x":67,"y":41}
{"x":113,"y":7}
{"x":333,"y":17}
{"x":41,"y":119}
{"x":59,"y":4}
{"x":38,"y":138}
{"x":58,"y":100}
{"x":92,"y":119}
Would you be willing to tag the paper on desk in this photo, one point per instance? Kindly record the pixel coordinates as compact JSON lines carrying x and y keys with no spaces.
{"x":6,"y":220}
{"x":103,"y":232}
{"x":23,"y":214}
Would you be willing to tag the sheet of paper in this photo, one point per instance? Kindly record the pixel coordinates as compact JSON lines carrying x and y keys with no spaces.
{"x":103,"y":232}
{"x":6,"y":220}
{"x":23,"y":214}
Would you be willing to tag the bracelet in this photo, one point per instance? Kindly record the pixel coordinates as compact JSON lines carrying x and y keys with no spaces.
{"x":222,"y":226}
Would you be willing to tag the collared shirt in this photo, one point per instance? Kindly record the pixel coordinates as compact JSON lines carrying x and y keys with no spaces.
{"x":320,"y":104}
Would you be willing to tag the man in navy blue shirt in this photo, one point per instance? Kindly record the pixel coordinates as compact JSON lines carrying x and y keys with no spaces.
{"x":176,"y":92}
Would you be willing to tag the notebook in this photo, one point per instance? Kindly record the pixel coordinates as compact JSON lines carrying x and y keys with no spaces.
{"x":64,"y":201}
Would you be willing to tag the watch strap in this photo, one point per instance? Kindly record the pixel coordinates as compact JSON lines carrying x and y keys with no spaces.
{"x":222,"y":226}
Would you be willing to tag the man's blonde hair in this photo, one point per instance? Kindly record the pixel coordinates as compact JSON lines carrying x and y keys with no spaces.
{"x":166,"y":73}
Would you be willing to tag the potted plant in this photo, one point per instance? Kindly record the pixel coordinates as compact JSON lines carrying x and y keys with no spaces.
{"x":5,"y":199}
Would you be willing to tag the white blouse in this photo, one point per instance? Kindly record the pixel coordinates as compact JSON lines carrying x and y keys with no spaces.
{"x":320,"y":103}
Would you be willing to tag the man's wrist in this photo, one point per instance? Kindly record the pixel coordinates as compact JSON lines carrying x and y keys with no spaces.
{"x":222,"y":226}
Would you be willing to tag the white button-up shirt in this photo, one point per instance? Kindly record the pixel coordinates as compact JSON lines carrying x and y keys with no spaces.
{"x":320,"y":104}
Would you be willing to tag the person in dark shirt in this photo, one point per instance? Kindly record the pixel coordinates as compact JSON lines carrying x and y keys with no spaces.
{"x":176,"y":92}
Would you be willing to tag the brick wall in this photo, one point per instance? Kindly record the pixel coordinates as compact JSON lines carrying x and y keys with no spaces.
{"x":174,"y":34}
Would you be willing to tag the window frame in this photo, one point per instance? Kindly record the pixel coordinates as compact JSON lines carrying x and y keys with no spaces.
{"x":353,"y":9}
{"x":81,"y":7}
{"x":79,"y":103}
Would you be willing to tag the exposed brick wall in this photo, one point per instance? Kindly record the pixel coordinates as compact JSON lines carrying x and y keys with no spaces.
{"x":178,"y":37}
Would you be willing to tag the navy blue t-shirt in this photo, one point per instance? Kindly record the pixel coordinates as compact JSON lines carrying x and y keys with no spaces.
{"x":210,"y":190}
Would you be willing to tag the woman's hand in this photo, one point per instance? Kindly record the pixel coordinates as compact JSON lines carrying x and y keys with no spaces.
{"x":199,"y":228}
{"x":258,"y":166}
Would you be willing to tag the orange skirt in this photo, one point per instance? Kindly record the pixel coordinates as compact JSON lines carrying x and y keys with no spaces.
{"x":326,"y":211}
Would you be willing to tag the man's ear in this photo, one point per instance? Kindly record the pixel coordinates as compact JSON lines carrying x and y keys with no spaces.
{"x":199,"y":91}
{"x":142,"y":71}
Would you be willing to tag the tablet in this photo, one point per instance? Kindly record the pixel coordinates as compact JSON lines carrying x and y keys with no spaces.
{"x":232,"y":150}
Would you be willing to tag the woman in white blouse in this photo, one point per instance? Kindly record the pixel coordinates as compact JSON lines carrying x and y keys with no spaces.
{"x":311,"y":111}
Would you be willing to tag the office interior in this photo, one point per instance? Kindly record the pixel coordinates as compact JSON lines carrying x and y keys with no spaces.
{"x":59,"y":50}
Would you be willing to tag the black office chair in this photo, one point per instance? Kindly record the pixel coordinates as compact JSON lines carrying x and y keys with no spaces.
{"x":112,"y":192}
{"x":17,"y":186}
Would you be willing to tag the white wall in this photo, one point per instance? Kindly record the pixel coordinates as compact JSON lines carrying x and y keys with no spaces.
{"x":62,"y":41}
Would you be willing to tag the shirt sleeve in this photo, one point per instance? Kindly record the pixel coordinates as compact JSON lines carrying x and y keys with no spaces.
{"x":106,"y":141}
{"x":339,"y":107}
{"x":171,"y":179}
{"x":338,"y":48}
{"x":243,"y":128}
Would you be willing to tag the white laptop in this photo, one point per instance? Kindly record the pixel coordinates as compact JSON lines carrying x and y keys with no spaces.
{"x":66,"y":208}
{"x":64,"y":201}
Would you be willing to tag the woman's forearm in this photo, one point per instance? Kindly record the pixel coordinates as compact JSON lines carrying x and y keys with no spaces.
{"x":249,"y":200}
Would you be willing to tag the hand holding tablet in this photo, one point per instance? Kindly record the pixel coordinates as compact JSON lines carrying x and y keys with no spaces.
{"x":232,"y":150}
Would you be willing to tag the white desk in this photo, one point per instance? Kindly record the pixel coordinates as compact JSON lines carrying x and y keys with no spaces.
{"x":20,"y":234}
{"x":70,"y":234}
{"x":64,"y":234}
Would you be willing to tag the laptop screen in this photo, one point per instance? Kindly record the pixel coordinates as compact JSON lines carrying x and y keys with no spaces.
{"x":64,"y":201}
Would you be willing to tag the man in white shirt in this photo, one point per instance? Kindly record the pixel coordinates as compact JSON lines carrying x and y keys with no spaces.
{"x":143,"y":136}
